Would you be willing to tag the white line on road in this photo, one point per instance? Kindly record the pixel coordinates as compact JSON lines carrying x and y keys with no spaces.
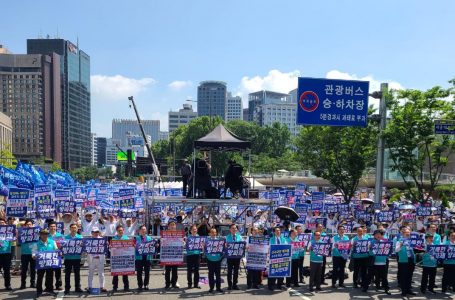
{"x":297,"y":293}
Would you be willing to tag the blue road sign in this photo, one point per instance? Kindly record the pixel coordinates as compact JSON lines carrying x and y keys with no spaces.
{"x":444,"y":127}
{"x":332,"y":102}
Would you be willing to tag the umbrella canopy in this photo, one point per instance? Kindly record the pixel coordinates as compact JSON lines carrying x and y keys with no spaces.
{"x":286,"y":214}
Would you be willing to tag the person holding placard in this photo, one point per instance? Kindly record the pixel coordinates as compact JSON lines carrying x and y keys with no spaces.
{"x":171,"y":272}
{"x":360,"y":261}
{"x":126,"y":283}
{"x":277,"y":239}
{"x":406,"y":262}
{"x":431,"y":228}
{"x":193,"y":258}
{"x":315,"y":263}
{"x":301,"y":255}
{"x":294,"y":279}
{"x":5,"y":260}
{"x":380,"y":266}
{"x":448,"y":277}
{"x":27,"y":260}
{"x":429,"y":264}
{"x":233,"y":264}
{"x":44,"y":244}
{"x":56,"y":236}
{"x":143,"y":262}
{"x":73,"y":264}
{"x":253,"y":277}
{"x":96,"y":264}
{"x":320,"y":228}
{"x":340,"y":241}
{"x":214,"y":266}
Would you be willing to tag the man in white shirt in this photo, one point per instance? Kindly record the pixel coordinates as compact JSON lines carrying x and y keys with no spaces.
{"x":89,"y":221}
{"x":110,"y":225}
{"x":96,"y":263}
{"x":131,"y":227}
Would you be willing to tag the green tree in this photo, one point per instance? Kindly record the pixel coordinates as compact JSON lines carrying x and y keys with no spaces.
{"x":337,"y":154}
{"x":56,"y":167}
{"x":416,"y":152}
{"x":7,"y":158}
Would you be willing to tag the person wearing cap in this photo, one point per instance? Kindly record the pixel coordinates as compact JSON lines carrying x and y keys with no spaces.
{"x":5,"y":260}
{"x":233,"y":264}
{"x":429,"y":264}
{"x":380,"y":267}
{"x":130,"y":227}
{"x":44,"y":244}
{"x":27,"y":260}
{"x":126,"y":284}
{"x":193,"y":260}
{"x":56,"y":237}
{"x":448,"y":277}
{"x":143,"y":262}
{"x":96,"y":264}
{"x":171,"y":281}
{"x":73,"y":264}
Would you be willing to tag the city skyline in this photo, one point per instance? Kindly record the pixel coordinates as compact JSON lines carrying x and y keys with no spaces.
{"x":159,"y":52}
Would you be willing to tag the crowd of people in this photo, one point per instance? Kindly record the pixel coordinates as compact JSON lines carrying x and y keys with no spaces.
{"x":368,"y":269}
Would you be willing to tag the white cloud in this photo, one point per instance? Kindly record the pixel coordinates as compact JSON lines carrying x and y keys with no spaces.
{"x":179,"y":84}
{"x":275,"y":80}
{"x":117,"y":88}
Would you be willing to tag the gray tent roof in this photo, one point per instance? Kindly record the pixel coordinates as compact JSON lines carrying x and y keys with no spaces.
{"x":221,"y":139}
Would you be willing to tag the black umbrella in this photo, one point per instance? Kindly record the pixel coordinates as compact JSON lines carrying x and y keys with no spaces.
{"x":286,"y":214}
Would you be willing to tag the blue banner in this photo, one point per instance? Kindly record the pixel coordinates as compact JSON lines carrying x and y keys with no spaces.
{"x":214,"y":246}
{"x":7,"y":233}
{"x":424,"y":211}
{"x":322,"y":248}
{"x":48,"y":260}
{"x":437,"y":251}
{"x":195,"y":243}
{"x":382,"y":248}
{"x":95,"y":245}
{"x":29,"y":234}
{"x":128,"y":213}
{"x":280,"y":261}
{"x":385,"y":216}
{"x":65,"y":206}
{"x":332,"y":102}
{"x":361,"y":247}
{"x":17,"y":202}
{"x":72,"y":246}
{"x":149,"y":247}
{"x":235,"y":250}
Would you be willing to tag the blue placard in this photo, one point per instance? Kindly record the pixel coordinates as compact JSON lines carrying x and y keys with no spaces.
{"x":382,"y":248}
{"x":17,"y":202}
{"x":332,"y":102}
{"x":72,"y":246}
{"x":450,"y":252}
{"x":444,"y":127}
{"x":48,"y":260}
{"x":322,"y":249}
{"x":195,"y":243}
{"x":361,"y":247}
{"x":110,"y":212}
{"x":149,"y":247}
{"x":317,"y":197}
{"x":235,"y":250}
{"x":385,"y":216}
{"x":128,"y":213}
{"x":424,"y":211}
{"x":214,"y":246}
{"x":317,"y":206}
{"x":95,"y":245}
{"x":331,"y":208}
{"x":280,"y":261}
{"x":437,"y":251}
{"x":65,"y":206}
{"x":29,"y":234}
{"x":7,"y":233}
{"x":256,"y":256}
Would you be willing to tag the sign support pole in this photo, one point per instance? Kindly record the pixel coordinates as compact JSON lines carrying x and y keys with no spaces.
{"x":380,"y":153}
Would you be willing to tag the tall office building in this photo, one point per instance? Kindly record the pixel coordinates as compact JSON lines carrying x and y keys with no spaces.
{"x":75,"y":98}
{"x":181,"y":117}
{"x":121,"y":128}
{"x":101,"y":151}
{"x":30,"y":94}
{"x":264,"y":97}
{"x":211,"y":99}
{"x":94,"y":147}
{"x":234,"y":108}
{"x":6,"y":132}
{"x":111,"y":152}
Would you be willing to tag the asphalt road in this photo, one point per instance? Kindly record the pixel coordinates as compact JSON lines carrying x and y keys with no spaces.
{"x":157,"y":289}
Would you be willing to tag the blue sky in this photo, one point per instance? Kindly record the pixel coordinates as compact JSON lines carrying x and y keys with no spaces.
{"x":158,"y":51}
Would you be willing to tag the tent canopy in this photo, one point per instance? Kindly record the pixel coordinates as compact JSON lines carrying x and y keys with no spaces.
{"x":221,"y":139}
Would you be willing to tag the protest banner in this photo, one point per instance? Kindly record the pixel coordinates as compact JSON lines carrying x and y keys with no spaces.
{"x":317,"y":206}
{"x":331,"y":208}
{"x":424,"y":211}
{"x":72,"y":246}
{"x":29,"y":234}
{"x":172,"y":247}
{"x":95,"y":245}
{"x":256,"y":256}
{"x":48,"y":260}
{"x":321,"y":248}
{"x":235,"y":249}
{"x":65,"y":206}
{"x":280,"y":261}
{"x":214,"y":246}
{"x":297,"y":246}
{"x":382,"y":248}
{"x":305,"y":238}
{"x":43,"y":198}
{"x":385,"y":216}
{"x":110,"y":211}
{"x":437,"y":251}
{"x":361,"y":247}
{"x":450,"y":252}
{"x":17,"y":202}
{"x":195,"y":243}
{"x":46,"y":213}
{"x":128,"y":213}
{"x":122,"y":257}
{"x":7,"y":233}
{"x":149,"y":247}
{"x":343,"y":248}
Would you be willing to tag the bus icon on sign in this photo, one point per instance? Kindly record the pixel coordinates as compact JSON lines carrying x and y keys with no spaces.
{"x":309,"y":101}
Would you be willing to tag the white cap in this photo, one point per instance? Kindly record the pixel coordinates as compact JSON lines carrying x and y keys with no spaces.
{"x":95,"y":229}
